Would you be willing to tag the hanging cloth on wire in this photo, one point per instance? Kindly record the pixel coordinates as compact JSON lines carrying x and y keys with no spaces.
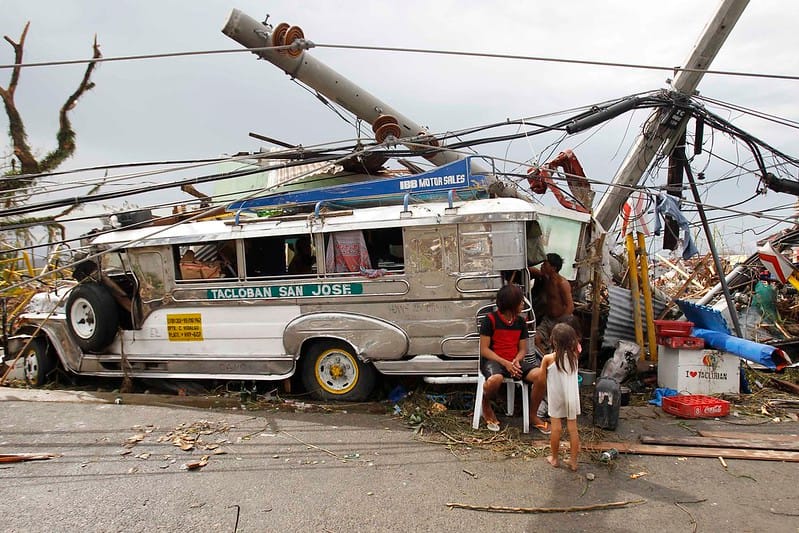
{"x":666,"y":205}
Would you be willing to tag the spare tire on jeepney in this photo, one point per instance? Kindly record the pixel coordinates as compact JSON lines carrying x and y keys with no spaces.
{"x":92,"y":316}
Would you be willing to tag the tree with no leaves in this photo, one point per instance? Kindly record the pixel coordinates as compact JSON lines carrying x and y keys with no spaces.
{"x":26,"y":169}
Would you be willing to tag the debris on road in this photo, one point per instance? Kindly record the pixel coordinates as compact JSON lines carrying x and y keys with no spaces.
{"x":695,"y":451}
{"x":195,"y":465}
{"x":531,"y":510}
{"x":21,"y":457}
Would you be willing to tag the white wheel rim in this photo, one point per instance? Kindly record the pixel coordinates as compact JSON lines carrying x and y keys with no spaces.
{"x":31,"y":366}
{"x":336,"y":372}
{"x":82,"y":318}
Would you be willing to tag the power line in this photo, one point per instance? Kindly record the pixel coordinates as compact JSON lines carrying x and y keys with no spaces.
{"x":309,"y":44}
{"x":77,"y":200}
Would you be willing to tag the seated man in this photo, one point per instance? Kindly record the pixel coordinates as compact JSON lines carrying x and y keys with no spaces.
{"x":303,"y":260}
{"x":503,"y":347}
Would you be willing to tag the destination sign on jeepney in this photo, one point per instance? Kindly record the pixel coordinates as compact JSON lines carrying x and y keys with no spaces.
{"x":308,"y":290}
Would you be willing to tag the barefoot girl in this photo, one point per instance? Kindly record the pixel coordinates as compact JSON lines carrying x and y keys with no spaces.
{"x":563,"y":395}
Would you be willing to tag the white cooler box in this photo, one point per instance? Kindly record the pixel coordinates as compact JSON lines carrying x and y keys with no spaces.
{"x":698,"y":371}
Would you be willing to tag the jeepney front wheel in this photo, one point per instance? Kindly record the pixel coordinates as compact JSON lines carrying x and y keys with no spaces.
{"x":332,"y":371}
{"x":37,"y":362}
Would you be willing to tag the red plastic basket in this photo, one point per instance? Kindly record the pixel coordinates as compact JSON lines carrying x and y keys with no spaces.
{"x":682,"y":343}
{"x":695,"y":406}
{"x":673,"y":328}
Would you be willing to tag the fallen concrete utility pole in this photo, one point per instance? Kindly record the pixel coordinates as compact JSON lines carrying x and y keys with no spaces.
{"x":301,"y":65}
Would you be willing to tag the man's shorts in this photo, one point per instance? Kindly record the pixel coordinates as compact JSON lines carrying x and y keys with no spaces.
{"x":488,"y":368}
{"x":544,"y":329}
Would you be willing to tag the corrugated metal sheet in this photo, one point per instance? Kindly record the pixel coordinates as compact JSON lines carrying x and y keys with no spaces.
{"x":620,"y":325}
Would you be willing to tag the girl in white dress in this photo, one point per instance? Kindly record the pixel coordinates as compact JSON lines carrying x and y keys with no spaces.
{"x":563,"y":395}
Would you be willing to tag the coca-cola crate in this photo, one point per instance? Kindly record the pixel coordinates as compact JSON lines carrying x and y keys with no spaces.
{"x":673,"y":328}
{"x":682,"y":343}
{"x":695,"y":406}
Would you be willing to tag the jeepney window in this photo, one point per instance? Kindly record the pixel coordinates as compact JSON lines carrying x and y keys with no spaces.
{"x":281,"y":256}
{"x":301,"y":255}
{"x":386,"y":249}
{"x":149,"y":269}
{"x":113,"y":261}
{"x":205,"y":260}
{"x":476,"y":253}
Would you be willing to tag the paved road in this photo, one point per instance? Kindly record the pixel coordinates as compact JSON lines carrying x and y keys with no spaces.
{"x":344,"y":471}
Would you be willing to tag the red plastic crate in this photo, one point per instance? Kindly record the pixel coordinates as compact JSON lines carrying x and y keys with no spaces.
{"x":695,"y":406}
{"x":673,"y":328}
{"x":684,"y":343}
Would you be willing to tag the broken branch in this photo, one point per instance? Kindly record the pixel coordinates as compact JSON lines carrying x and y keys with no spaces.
{"x":310,"y":445}
{"x":531,"y":510}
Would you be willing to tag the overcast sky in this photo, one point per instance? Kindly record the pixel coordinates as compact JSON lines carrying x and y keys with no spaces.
{"x":204,"y":106}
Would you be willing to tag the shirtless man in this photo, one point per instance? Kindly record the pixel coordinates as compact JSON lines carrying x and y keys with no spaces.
{"x":559,"y":302}
{"x":559,"y":308}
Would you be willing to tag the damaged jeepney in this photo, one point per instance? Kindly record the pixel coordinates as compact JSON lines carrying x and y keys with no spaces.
{"x":392,"y":290}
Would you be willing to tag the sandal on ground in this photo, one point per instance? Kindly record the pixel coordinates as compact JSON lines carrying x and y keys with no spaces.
{"x":492,"y":426}
{"x":543,"y":428}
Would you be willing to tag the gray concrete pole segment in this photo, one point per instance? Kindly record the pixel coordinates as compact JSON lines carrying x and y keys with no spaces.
{"x":655,"y":134}
{"x":304,"y":67}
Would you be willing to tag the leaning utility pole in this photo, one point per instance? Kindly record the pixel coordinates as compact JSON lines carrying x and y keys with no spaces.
{"x":662,"y":129}
{"x":263,"y":38}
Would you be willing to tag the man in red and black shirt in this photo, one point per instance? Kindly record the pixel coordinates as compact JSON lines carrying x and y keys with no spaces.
{"x":503,"y":350}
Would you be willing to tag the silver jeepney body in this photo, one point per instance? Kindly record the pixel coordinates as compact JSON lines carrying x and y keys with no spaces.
{"x":419,"y":318}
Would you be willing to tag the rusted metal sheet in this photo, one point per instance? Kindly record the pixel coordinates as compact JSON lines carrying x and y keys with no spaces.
{"x":620,"y":324}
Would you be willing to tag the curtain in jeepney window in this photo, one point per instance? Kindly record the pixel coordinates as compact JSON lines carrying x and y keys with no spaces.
{"x":347,"y":252}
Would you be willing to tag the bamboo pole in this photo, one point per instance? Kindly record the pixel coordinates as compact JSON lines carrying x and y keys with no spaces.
{"x":650,"y":314}
{"x":596,"y":284}
{"x":633,"y":270}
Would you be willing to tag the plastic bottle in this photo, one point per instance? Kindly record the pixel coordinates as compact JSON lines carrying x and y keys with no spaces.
{"x":608,"y":455}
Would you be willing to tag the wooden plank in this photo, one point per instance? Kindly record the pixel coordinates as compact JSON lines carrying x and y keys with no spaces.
{"x":694,"y":451}
{"x":786,"y":386}
{"x":722,"y":442}
{"x":697,"y":269}
{"x":767,"y":437}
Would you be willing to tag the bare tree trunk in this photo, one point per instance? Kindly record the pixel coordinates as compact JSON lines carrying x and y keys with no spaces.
{"x":16,"y":129}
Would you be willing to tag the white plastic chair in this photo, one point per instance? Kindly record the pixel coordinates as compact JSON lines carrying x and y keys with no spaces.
{"x":510,"y":387}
